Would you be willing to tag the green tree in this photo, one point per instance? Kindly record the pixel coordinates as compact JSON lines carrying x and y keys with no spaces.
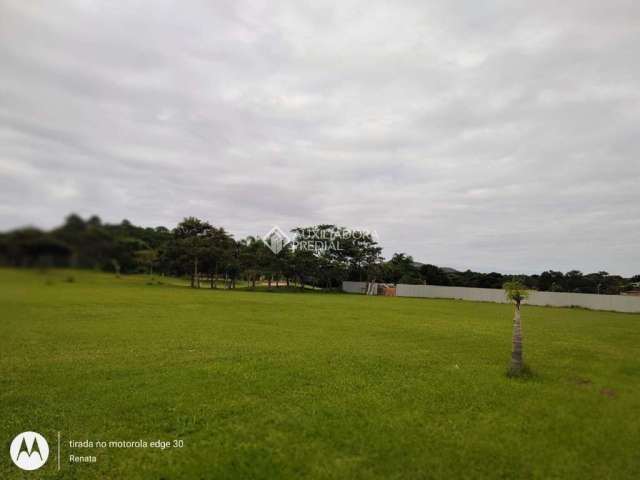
{"x":191,"y":244}
{"x":434,"y":275}
{"x":147,"y":259}
{"x":255,"y":259}
{"x":402,"y":269}
{"x":219,"y":249}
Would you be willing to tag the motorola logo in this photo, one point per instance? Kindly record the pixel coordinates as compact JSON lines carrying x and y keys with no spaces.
{"x":29,"y":450}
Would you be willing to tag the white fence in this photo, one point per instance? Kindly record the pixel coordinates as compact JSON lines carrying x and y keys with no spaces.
{"x":616,"y":303}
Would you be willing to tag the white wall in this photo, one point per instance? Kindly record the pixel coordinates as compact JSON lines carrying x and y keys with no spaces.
{"x":433,"y":291}
{"x":616,"y":303}
{"x":354,"y":287}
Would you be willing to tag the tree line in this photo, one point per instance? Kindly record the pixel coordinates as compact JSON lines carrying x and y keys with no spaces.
{"x":402,"y":269}
{"x":206,"y":253}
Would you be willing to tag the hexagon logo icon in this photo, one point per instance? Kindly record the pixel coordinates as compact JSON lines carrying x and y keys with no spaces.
{"x":29,"y":450}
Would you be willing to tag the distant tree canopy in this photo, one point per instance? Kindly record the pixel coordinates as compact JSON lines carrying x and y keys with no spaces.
{"x":197,"y":249}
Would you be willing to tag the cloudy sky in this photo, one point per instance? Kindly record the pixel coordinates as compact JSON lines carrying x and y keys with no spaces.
{"x":491,"y":135}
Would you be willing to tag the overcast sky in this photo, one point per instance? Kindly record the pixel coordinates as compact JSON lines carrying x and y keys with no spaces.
{"x":491,"y":135}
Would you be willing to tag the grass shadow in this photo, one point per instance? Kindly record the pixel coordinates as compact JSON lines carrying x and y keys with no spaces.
{"x":525,"y":373}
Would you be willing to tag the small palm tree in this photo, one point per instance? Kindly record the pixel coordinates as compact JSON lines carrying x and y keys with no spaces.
{"x":516,"y":292}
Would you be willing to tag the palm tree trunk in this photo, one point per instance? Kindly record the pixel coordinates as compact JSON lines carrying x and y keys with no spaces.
{"x":516,"y":352}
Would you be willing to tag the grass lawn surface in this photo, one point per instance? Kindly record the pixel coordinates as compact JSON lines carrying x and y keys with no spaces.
{"x":323,"y":386}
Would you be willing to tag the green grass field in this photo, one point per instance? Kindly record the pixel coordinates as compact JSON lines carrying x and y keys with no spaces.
{"x":293,"y":385}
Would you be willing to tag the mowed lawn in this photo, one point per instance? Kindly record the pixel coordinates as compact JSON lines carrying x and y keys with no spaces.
{"x":288,"y":385}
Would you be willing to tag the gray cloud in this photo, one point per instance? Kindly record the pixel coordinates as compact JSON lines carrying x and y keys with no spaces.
{"x":474,"y":134}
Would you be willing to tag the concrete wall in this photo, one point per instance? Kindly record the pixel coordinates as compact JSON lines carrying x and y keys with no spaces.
{"x":616,"y":303}
{"x":354,"y":287}
{"x":433,"y":291}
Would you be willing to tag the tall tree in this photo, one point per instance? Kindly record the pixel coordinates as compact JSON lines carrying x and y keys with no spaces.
{"x":220,"y":247}
{"x":255,"y":259}
{"x":402,"y":269}
{"x":433,"y":275}
{"x":191,"y":242}
{"x":516,"y":292}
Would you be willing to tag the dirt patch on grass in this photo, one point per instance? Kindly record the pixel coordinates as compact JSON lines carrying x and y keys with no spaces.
{"x":582,"y":382}
{"x":608,"y":392}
